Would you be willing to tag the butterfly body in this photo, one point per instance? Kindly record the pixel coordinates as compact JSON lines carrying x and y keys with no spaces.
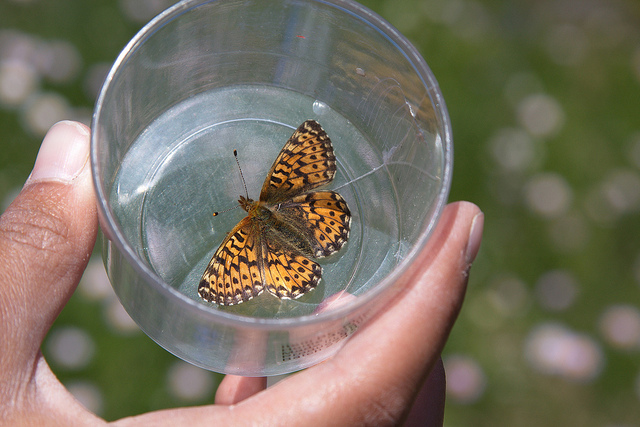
{"x":267,"y":221}
{"x":289,"y":223}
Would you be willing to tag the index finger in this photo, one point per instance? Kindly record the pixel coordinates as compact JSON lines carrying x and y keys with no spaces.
{"x":374,"y":378}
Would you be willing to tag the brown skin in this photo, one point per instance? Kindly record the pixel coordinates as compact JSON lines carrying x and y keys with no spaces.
{"x":46,"y":238}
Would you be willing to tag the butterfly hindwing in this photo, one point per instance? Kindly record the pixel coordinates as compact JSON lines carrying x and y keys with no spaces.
{"x":306,"y":161}
{"x":323,"y":216}
{"x":289,"y":275}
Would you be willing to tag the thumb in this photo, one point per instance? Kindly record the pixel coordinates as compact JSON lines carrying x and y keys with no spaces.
{"x":46,"y":237}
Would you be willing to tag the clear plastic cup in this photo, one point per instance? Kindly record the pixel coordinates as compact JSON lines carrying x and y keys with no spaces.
{"x":205,"y":78}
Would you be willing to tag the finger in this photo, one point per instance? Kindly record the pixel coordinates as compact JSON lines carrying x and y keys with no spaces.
{"x":234,"y":389}
{"x":376,"y":375}
{"x":428,"y":406}
{"x":46,"y":237}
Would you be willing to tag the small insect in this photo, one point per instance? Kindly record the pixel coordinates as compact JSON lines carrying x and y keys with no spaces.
{"x":289,"y":224}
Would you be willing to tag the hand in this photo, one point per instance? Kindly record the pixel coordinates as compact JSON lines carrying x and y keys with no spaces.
{"x":46,"y":238}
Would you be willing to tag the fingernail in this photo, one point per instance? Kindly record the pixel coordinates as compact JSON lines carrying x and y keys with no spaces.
{"x":475,"y":237}
{"x":63,"y":154}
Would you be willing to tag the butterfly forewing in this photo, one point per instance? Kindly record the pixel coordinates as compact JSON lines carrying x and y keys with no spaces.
{"x":233,"y":275}
{"x":305,"y":162}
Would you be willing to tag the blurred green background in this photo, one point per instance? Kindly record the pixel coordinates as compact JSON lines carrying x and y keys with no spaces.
{"x":544,"y":97}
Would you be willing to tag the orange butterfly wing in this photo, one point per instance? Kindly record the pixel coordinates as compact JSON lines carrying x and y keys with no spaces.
{"x":271,"y":247}
{"x":234,"y":274}
{"x":289,"y":275}
{"x":306,"y":162}
{"x":322,"y":216}
{"x":245,"y":262}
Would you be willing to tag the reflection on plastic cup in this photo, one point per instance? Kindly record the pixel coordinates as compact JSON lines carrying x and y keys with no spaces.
{"x":205,"y":78}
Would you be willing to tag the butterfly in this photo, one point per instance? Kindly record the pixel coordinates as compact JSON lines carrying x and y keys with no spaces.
{"x":288,"y":225}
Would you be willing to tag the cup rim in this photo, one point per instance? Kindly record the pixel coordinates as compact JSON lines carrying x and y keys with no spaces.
{"x":112,"y":230}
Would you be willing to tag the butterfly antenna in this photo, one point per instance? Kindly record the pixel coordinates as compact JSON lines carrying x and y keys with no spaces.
{"x":235,"y":155}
